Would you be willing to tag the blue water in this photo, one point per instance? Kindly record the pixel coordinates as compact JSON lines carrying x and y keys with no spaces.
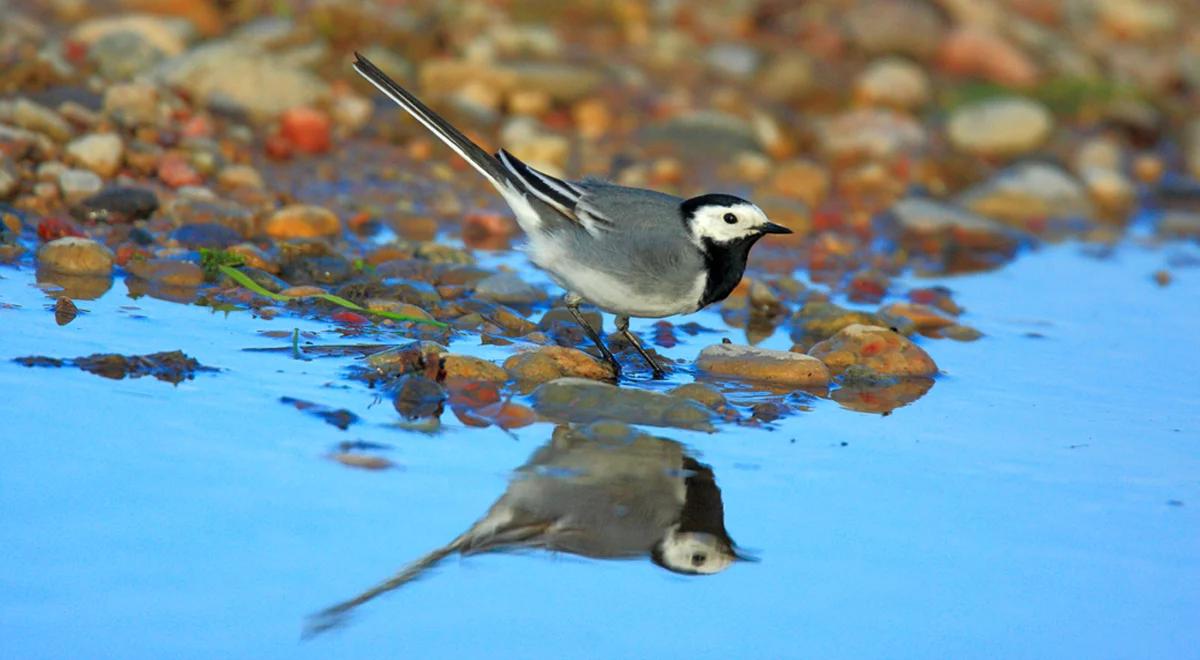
{"x":1042,"y":500}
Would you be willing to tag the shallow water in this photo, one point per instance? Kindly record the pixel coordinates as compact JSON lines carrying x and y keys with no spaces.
{"x":1042,"y":499}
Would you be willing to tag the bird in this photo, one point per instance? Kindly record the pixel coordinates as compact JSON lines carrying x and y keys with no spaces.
{"x":632,"y":252}
{"x":604,"y":491}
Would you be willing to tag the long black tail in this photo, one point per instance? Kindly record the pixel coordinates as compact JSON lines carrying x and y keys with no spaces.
{"x":481,"y":160}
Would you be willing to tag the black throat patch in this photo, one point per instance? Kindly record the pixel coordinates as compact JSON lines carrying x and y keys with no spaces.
{"x":725,"y":263}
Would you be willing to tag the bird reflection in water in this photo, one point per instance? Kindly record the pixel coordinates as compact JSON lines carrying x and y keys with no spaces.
{"x":604,"y":491}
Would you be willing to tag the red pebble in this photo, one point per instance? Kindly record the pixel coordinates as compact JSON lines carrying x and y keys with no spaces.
{"x":75,"y":52}
{"x":175,"y":171}
{"x":350,"y":318}
{"x":51,"y":228}
{"x":197,"y":127}
{"x":306,"y":129}
{"x":277,"y":147}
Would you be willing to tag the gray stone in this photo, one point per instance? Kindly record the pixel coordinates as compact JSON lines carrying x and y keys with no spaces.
{"x":77,"y":184}
{"x":509,"y":289}
{"x":582,"y":400}
{"x":1029,"y":191}
{"x":123,"y":55}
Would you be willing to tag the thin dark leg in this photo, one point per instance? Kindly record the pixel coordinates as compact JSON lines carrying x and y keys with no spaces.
{"x":623,"y":328}
{"x":572,"y":302}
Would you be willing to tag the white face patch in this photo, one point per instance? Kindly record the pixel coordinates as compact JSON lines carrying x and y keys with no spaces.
{"x":712,"y":222}
{"x":694,"y":552}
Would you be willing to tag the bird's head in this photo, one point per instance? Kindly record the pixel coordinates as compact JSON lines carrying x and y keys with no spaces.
{"x":725,"y":219}
{"x":695,"y":553}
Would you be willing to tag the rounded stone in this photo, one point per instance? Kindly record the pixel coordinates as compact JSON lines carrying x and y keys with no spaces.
{"x":764,"y":365}
{"x":99,"y":152}
{"x":72,"y":255}
{"x":1008,"y":126}
{"x":302,"y":221}
{"x":878,"y":349}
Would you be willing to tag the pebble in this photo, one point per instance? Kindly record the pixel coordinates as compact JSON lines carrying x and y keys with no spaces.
{"x":302,"y":221}
{"x":871,"y":133}
{"x":1032,"y":191}
{"x":472,"y":368}
{"x":123,"y":55}
{"x":547,"y":363}
{"x":78,"y":184}
{"x":706,"y":395}
{"x":880,"y":350}
{"x":132,"y":104}
{"x":893,"y":82}
{"x":206,"y":235}
{"x":167,"y":272}
{"x":1179,"y":224}
{"x":764,"y":365}
{"x":242,"y":76}
{"x":508,"y":289}
{"x":788,"y":76}
{"x":921,"y":317}
{"x":734,"y":60}
{"x":818,"y":320}
{"x":1113,"y":193}
{"x":1006,"y":126}
{"x":979,"y":52}
{"x":8,"y":181}
{"x":801,"y":179}
{"x":175,"y":171}
{"x":1191,"y":148}
{"x":34,"y":116}
{"x":907,"y":27}
{"x":170,"y":36}
{"x":413,"y":356}
{"x":99,"y":152}
{"x":72,"y":255}
{"x":240,"y":176}
{"x":351,"y":111}
{"x":306,"y":129}
{"x":118,"y":205}
{"x":580,"y":400}
{"x":418,"y":397}
{"x":932,"y":225}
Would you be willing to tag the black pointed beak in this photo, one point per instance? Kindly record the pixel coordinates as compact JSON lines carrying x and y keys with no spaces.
{"x":772,"y":228}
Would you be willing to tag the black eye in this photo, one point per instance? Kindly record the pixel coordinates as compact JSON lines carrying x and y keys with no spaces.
{"x":731,"y":218}
{"x":698,"y":559}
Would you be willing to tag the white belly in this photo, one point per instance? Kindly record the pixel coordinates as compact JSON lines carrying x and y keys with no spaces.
{"x":612,"y":294}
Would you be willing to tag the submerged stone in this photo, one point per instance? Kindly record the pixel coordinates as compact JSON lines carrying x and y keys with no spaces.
{"x":581,"y":400}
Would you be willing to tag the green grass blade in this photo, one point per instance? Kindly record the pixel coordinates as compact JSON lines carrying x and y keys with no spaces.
{"x":244,"y":280}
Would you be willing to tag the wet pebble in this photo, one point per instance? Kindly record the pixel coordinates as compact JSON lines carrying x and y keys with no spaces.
{"x":206,"y":235}
{"x":411,"y":357}
{"x":118,"y":205}
{"x":418,"y":397}
{"x":307,"y":130}
{"x":550,"y":362}
{"x":763,"y":365}
{"x":979,"y":52}
{"x":933,"y":226}
{"x":1032,"y":191}
{"x":175,"y":171}
{"x":509,"y":289}
{"x":330,"y":269}
{"x":871,"y":133}
{"x":72,"y":255}
{"x":78,"y":184}
{"x":123,"y":55}
{"x":706,"y":395}
{"x":302,"y":221}
{"x":132,"y":104}
{"x":877,"y":349}
{"x":8,"y":181}
{"x":893,"y":82}
{"x":37,"y":117}
{"x":581,"y":400}
{"x":1006,"y":126}
{"x":167,"y":272}
{"x":908,"y":27}
{"x":240,"y":176}
{"x":471,"y":368}
{"x":819,"y":320}
{"x":921,"y":317}
{"x":98,"y":152}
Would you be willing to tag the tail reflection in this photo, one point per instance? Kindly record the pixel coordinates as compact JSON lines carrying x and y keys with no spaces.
{"x":604,"y":491}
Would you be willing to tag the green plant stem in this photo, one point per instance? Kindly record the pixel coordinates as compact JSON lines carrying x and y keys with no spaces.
{"x":245,"y":281}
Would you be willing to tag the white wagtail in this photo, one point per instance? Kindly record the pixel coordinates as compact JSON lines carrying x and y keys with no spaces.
{"x":628,"y":251}
{"x":582,"y":493}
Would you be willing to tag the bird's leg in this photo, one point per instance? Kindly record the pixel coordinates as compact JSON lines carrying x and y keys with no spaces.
{"x":572,"y":301}
{"x":623,"y":328}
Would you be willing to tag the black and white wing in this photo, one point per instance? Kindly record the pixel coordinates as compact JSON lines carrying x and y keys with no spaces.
{"x":569,"y":199}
